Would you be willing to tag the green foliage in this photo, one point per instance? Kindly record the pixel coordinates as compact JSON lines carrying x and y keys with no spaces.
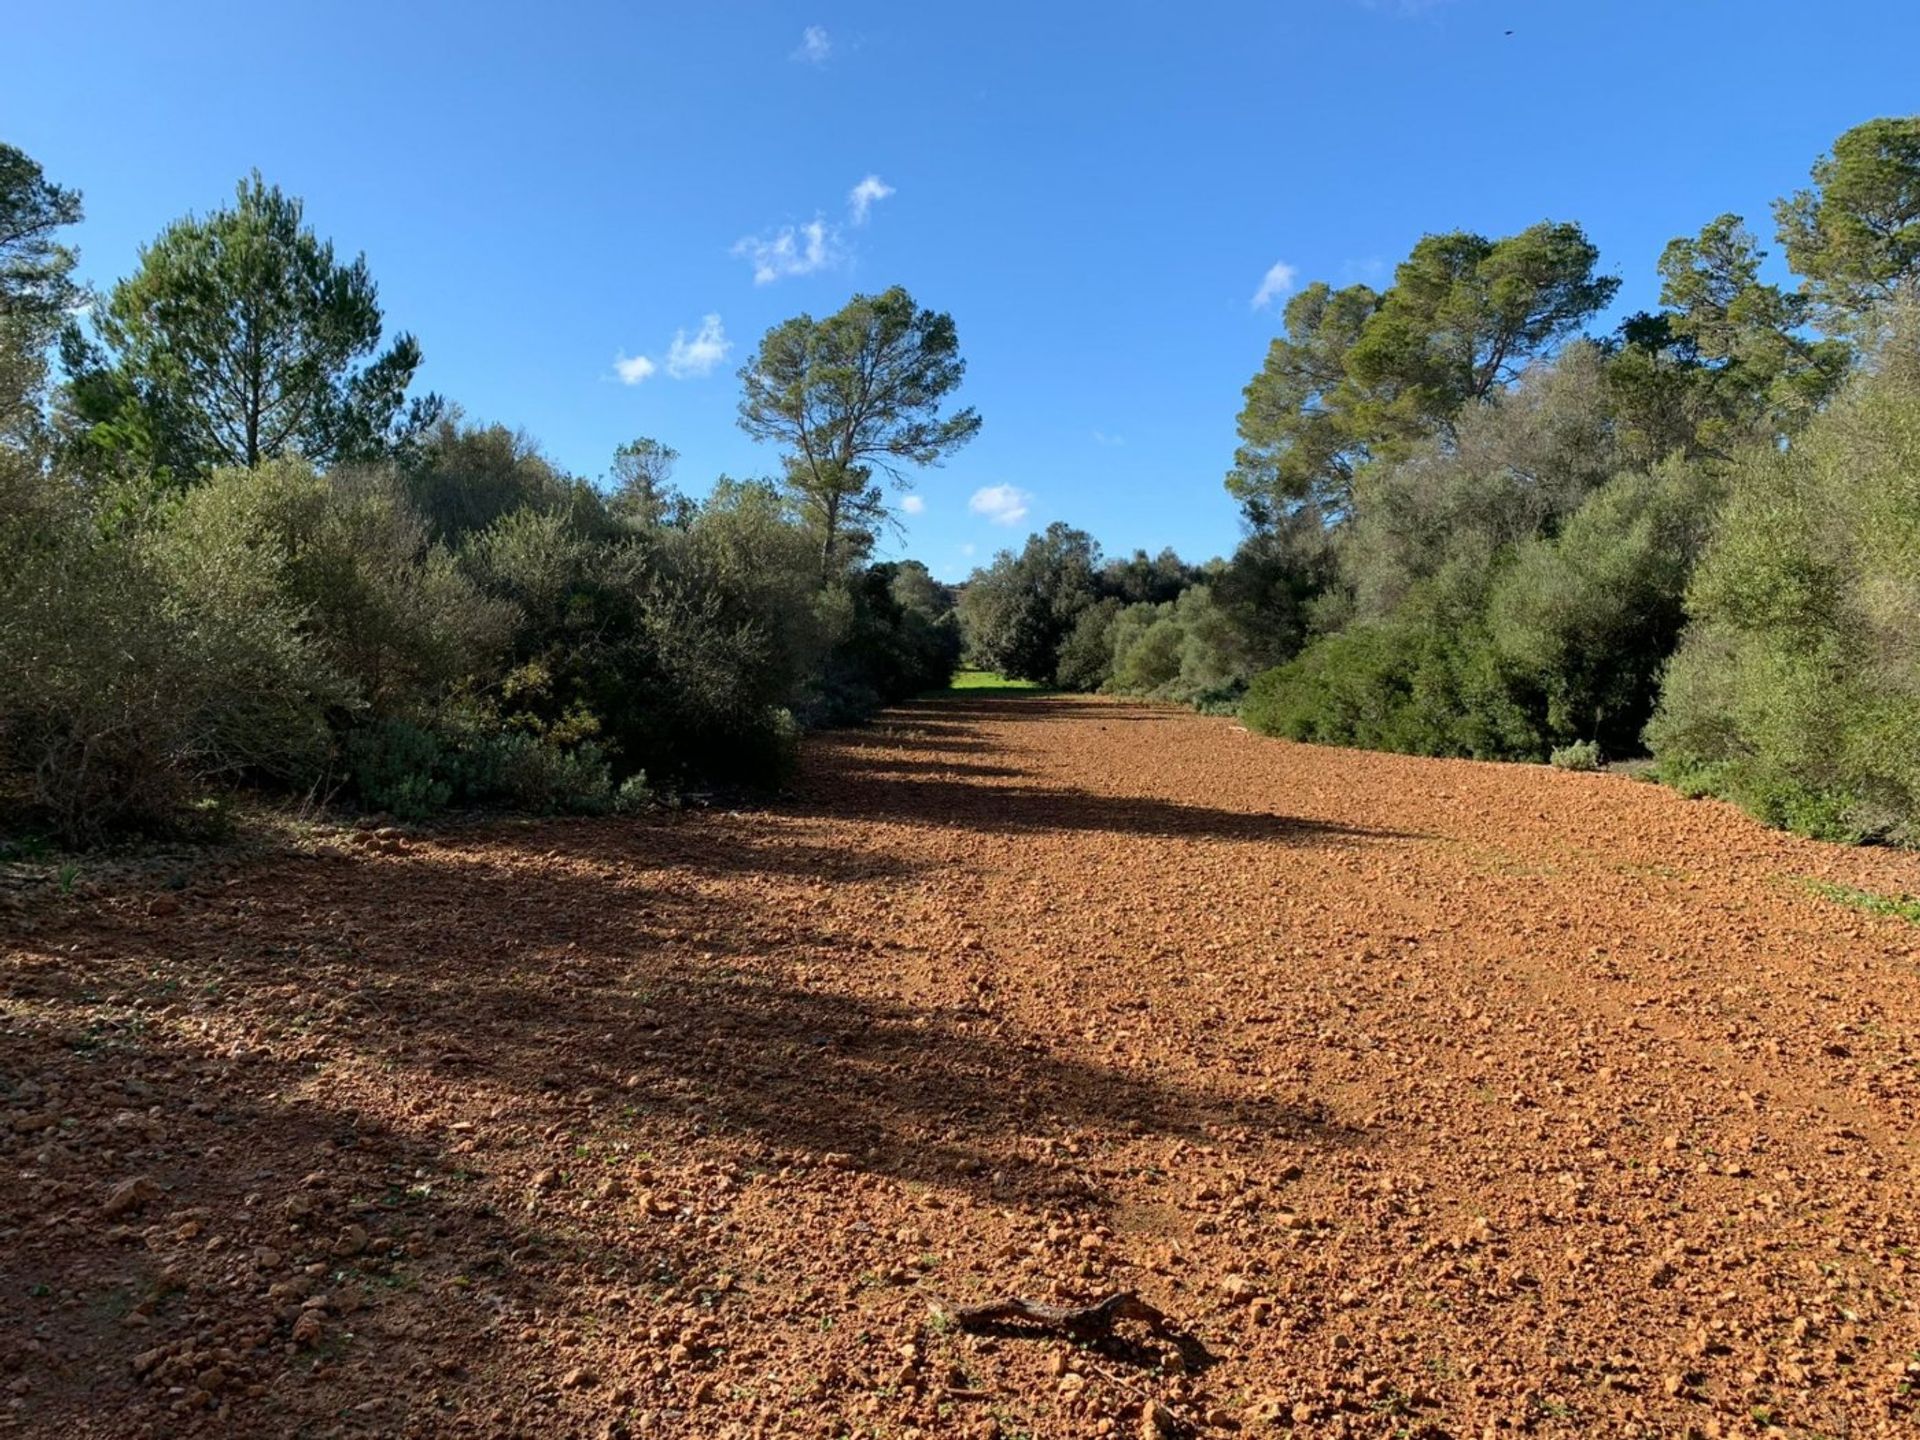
{"x":986,"y":682}
{"x":1086,"y":654}
{"x":463,"y":479}
{"x":36,"y":282}
{"x":431,"y":610}
{"x":1794,"y":690}
{"x":1361,"y":375}
{"x":1854,"y":235}
{"x":240,"y":339}
{"x":1585,"y":619}
{"x":134,"y":673}
{"x":412,"y":772}
{"x":1018,"y":612}
{"x":1752,"y":373}
{"x":1515,"y":467}
{"x":857,"y":391}
{"x":1897,"y":907}
{"x":1301,"y":437}
{"x":1427,"y":681}
{"x":1581,"y":755}
{"x":1186,"y":649}
{"x":396,"y":620}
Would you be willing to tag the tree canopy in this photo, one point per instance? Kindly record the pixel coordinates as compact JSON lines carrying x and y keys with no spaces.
{"x":858,"y":391}
{"x":241,"y":338}
{"x":1361,"y":374}
{"x":1854,"y":234}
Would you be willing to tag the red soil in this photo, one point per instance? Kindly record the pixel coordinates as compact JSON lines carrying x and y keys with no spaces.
{"x":1428,"y":1097}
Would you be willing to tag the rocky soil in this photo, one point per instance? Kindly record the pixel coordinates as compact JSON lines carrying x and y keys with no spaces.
{"x":1423,"y":1097}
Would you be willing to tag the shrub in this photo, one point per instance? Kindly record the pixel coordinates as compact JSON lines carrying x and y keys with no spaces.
{"x":411,"y":771}
{"x":1580,"y":755}
{"x":135,"y":672}
{"x":1086,"y":656}
{"x":399,"y":768}
{"x":1796,"y":691}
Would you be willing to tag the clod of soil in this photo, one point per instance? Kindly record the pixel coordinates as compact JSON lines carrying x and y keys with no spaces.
{"x":1427,"y":1097}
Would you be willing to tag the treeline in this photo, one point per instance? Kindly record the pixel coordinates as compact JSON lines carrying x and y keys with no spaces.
{"x":235,"y":552}
{"x":1477,"y":529}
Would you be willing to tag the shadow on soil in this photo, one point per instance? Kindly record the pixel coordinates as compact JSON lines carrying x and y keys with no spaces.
{"x":860,"y":773}
{"x":676,"y":987}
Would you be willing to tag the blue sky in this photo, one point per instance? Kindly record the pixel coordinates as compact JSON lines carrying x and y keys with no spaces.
{"x":1096,"y":191}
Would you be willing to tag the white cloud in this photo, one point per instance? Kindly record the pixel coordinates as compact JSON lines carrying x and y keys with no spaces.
{"x":792,"y":250}
{"x":815,"y":46}
{"x":861,"y":198}
{"x":967,"y":549}
{"x":698,"y":356}
{"x":632,"y":369}
{"x":1112,"y":442}
{"x":1002,"y":504}
{"x":914,"y":505}
{"x":816,"y":245}
{"x":1275,"y":283}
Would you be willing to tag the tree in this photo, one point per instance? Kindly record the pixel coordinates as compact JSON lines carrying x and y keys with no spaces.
{"x":1298,"y":445}
{"x":239,"y":340}
{"x":1465,"y":316}
{"x":858,"y":391}
{"x":1019,"y":611}
{"x":36,"y":281}
{"x":643,"y":493}
{"x":1742,"y":335}
{"x":1854,"y":237}
{"x":1360,"y":375}
{"x":36,"y":270}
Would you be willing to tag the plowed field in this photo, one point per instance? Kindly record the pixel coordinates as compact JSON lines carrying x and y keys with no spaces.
{"x":1423,"y":1097}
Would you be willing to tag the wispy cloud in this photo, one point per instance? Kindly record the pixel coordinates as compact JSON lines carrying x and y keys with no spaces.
{"x":792,"y":250}
{"x":632,"y":369}
{"x":1001,"y":504}
{"x":687,"y":358}
{"x":1275,"y":283}
{"x":1111,"y":442}
{"x":967,"y":549}
{"x":816,"y":46}
{"x":816,"y":245}
{"x":914,"y":505}
{"x":862,"y":197}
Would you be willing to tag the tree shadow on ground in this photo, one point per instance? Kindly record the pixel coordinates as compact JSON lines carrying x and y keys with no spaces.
{"x":565,"y":990}
{"x":862,"y":774}
{"x":876,"y":792}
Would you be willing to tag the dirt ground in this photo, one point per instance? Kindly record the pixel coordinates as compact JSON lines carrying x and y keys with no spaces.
{"x":1424,"y":1097}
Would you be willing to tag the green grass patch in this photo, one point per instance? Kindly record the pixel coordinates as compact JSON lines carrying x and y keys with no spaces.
{"x":985,"y":682}
{"x":1903,"y":907}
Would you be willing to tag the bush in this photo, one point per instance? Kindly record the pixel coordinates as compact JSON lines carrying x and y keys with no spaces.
{"x":1796,"y":691}
{"x":134,"y":672}
{"x":411,"y":772}
{"x":1580,"y":755}
{"x":1426,"y":681}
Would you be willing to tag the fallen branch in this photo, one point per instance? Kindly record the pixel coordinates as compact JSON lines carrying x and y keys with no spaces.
{"x":1086,"y":1322}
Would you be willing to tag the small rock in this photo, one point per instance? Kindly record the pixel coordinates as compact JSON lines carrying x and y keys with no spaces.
{"x":128,"y":1196}
{"x":308,"y":1329}
{"x":352,"y":1241}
